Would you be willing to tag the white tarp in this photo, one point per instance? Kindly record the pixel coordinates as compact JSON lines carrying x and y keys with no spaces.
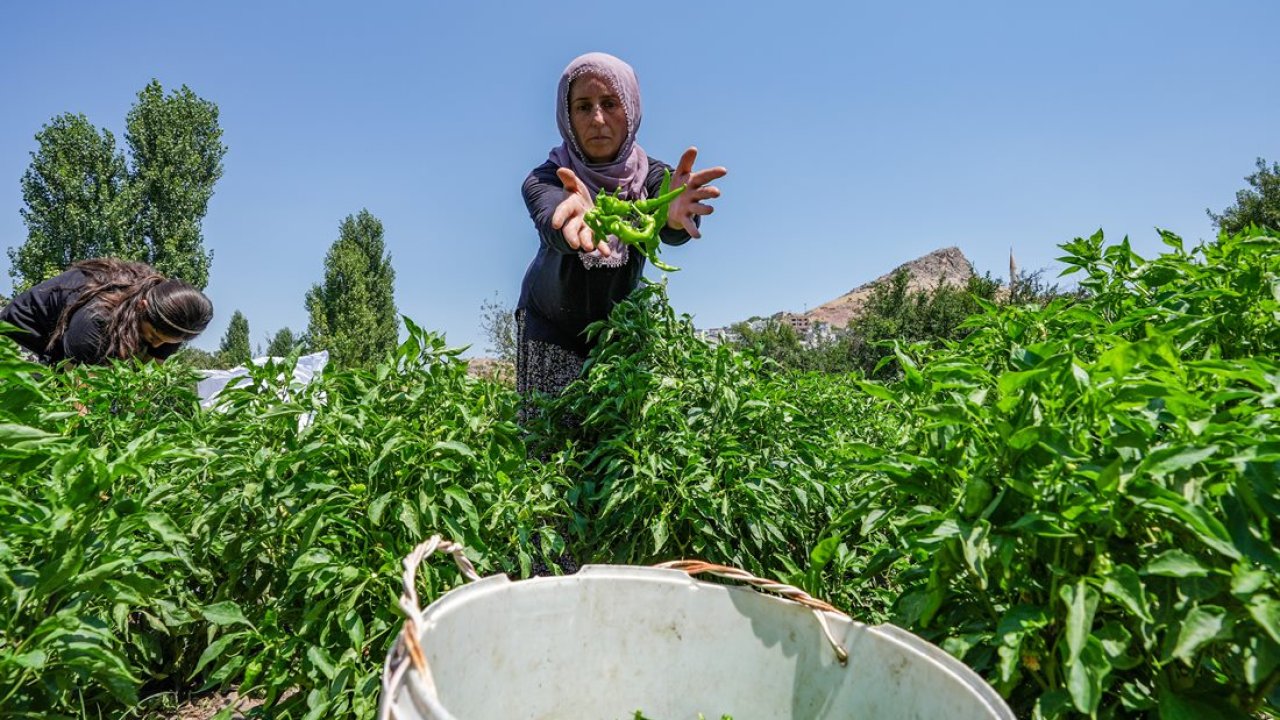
{"x":215,"y":381}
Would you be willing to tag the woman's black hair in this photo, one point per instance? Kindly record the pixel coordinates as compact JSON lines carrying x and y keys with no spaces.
{"x":117,"y":290}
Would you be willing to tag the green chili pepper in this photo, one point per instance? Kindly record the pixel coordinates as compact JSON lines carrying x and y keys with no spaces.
{"x":630,"y":234}
{"x":636,"y":223}
{"x":664,"y":197}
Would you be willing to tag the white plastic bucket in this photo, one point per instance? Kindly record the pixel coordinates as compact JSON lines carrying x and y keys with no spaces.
{"x":613,"y":640}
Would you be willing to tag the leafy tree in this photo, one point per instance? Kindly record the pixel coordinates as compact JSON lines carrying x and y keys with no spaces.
{"x":896,"y":313}
{"x":197,"y":359}
{"x":499,"y":324}
{"x":1259,"y":204}
{"x":235,"y":344}
{"x":83,"y":200}
{"x":353,"y":312}
{"x":177,"y":151}
{"x":282,"y":343}
{"x":78,"y":202}
{"x":772,"y":338}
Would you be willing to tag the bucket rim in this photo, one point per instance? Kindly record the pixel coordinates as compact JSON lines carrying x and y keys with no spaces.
{"x":422,"y":689}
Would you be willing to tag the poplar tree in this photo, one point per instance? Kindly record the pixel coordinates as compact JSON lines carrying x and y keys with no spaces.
{"x":282,"y":343}
{"x":235,"y":344}
{"x":83,"y":198}
{"x":352,"y":311}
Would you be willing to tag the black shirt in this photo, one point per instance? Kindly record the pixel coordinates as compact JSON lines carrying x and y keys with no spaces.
{"x":560,"y":295}
{"x":36,"y":312}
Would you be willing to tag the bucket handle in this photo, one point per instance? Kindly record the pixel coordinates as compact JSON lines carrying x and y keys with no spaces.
{"x":790,"y":592}
{"x":407,"y":649}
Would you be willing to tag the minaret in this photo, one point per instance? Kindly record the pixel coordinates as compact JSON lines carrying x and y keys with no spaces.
{"x":1013,"y":270}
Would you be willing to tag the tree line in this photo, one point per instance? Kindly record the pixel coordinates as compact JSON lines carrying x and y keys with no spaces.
{"x":85,"y":197}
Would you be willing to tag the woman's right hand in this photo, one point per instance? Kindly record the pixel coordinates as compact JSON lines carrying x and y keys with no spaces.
{"x":568,"y":217}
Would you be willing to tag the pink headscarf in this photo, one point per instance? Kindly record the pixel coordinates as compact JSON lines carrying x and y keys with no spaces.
{"x":629,"y":169}
{"x":626,"y":172}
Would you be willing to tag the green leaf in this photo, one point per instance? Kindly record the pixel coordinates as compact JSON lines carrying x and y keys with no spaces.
{"x":33,"y":660}
{"x":1169,"y":460}
{"x":224,"y":613}
{"x":877,"y":390}
{"x":165,"y":529}
{"x":659,"y":530}
{"x":1012,"y":383}
{"x":354,"y":627}
{"x":464,"y":500}
{"x":1201,"y":626}
{"x":1246,"y":582}
{"x":21,"y":440}
{"x":1194,"y":518}
{"x":823,"y":552}
{"x":1024,"y":438}
{"x":1175,"y":563}
{"x":409,"y":517}
{"x":1124,"y":585}
{"x":1042,"y":524}
{"x":378,"y":507}
{"x":1266,"y":610}
{"x":319,"y":657}
{"x":1082,"y":602}
{"x":1115,"y":641}
{"x":1085,"y":675}
{"x":214,"y":651}
{"x":454,"y":446}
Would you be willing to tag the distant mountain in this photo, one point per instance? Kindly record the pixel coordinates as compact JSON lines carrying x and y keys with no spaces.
{"x":947,"y":265}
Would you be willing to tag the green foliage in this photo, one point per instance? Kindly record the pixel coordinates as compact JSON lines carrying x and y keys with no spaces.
{"x":894,"y":315}
{"x":234,"y":349}
{"x":774,"y":339}
{"x":150,"y":546}
{"x":177,"y":150}
{"x":1078,"y":499}
{"x":677,"y":449}
{"x":283,"y":343}
{"x":353,"y":311}
{"x":1083,"y":496}
{"x":196,"y":359}
{"x":83,"y":202}
{"x":498,"y":321}
{"x":78,"y":202}
{"x":1259,"y":204}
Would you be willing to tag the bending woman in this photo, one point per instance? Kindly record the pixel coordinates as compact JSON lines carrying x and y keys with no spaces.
{"x":575,"y":279}
{"x":107,"y":309}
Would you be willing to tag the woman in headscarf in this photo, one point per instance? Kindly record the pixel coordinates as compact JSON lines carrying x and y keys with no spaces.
{"x":107,"y":309}
{"x":576,"y":278}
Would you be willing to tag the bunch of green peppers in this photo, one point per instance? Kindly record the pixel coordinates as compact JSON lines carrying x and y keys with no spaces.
{"x":634,"y":222}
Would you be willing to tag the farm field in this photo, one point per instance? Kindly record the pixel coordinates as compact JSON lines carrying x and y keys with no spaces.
{"x":1078,"y":500}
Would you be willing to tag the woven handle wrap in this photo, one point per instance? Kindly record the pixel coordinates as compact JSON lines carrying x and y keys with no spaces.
{"x":407,"y":650}
{"x":790,"y":592}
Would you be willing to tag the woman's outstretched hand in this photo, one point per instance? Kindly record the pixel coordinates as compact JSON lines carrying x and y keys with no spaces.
{"x":689,"y":203}
{"x":568,"y":217}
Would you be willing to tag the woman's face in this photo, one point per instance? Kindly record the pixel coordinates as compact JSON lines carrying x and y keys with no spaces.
{"x":597,"y":117}
{"x":154,"y":338}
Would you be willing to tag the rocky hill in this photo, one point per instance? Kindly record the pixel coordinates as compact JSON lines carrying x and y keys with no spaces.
{"x":947,"y":265}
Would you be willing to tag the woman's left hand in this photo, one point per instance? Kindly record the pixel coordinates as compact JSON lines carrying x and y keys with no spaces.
{"x":689,"y":203}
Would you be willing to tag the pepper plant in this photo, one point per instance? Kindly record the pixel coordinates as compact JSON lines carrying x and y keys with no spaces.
{"x":1083,"y":497}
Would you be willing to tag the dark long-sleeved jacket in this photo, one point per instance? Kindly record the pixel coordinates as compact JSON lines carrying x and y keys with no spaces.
{"x":560,"y":295}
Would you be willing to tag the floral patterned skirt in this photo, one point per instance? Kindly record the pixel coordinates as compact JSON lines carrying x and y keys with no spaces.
{"x":542,"y":367}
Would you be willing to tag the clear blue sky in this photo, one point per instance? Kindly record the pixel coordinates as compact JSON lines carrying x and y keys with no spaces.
{"x":857,"y":135}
